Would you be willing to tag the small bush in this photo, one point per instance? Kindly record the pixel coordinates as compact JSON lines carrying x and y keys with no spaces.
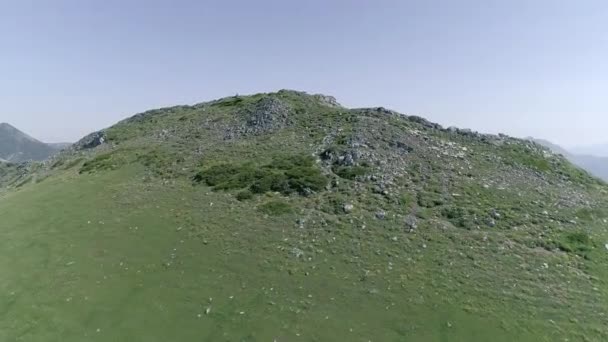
{"x":461,"y":217}
{"x":217,"y":174}
{"x":429,"y":199}
{"x":575,"y":242}
{"x":301,"y":179}
{"x":333,"y":203}
{"x":244,"y":195}
{"x":275,"y":208}
{"x":270,"y":181}
{"x":351,"y":172}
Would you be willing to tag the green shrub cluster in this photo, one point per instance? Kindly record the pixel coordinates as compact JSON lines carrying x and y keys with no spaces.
{"x":429,"y":199}
{"x":275,"y":208}
{"x":286,"y":174}
{"x":575,"y":242}
{"x":244,"y":195}
{"x":467,"y":218}
{"x":101,"y":162}
{"x":350,"y":172}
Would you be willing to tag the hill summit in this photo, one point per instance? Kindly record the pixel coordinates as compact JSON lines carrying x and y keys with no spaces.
{"x":16,"y":146}
{"x":288,"y":217}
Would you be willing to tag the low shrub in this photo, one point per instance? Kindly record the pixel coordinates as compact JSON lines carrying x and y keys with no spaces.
{"x":287,"y":175}
{"x":275,"y":208}
{"x":244,"y":195}
{"x":350,"y":172}
{"x":577,"y":242}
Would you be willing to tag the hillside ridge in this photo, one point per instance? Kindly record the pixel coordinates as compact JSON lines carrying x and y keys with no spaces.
{"x":286,"y":216}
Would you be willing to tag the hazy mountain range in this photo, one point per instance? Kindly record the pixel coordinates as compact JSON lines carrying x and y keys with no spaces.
{"x":600,"y":150}
{"x":16,"y":146}
{"x":596,"y":164}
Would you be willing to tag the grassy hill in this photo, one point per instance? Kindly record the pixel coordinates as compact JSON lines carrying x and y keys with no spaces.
{"x":286,"y":217}
{"x":16,"y":146}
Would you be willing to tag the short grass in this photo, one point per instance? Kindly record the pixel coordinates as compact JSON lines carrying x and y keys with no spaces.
{"x":335,"y":225}
{"x":128,"y":260}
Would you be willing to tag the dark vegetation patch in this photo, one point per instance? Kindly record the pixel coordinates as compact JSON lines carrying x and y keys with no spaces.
{"x":577,"y":242}
{"x":102,"y":162}
{"x":428,"y":199}
{"x":275,"y":208}
{"x":350,"y":172}
{"x":228,"y":102}
{"x":284,"y":174}
{"x":244,"y":195}
{"x":461,"y":217}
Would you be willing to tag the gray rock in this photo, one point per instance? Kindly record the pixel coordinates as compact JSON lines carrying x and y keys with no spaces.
{"x":327,"y":100}
{"x":296,"y":252}
{"x":411,"y":222}
{"x":267,"y":115}
{"x":348,"y":207}
{"x":91,"y":141}
{"x":380,"y":215}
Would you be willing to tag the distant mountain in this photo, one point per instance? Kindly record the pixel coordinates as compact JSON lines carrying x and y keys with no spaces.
{"x":600,"y":150}
{"x":16,"y":146}
{"x":594,"y":164}
{"x":553,"y":147}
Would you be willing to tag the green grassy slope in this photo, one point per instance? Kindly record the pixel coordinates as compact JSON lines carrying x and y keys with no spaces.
{"x":420,"y":234}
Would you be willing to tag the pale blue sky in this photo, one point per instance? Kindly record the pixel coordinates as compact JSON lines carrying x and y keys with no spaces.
{"x":521,"y":67}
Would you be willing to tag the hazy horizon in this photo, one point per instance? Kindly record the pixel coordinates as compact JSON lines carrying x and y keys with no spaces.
{"x":519,"y":68}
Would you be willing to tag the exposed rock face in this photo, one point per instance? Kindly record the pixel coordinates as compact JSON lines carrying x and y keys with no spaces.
{"x":327,"y":100}
{"x":91,"y":141}
{"x":267,"y":115}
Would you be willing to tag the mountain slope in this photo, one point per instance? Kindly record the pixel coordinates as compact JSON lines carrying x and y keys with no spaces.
{"x":287,"y":217}
{"x":16,"y":146}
